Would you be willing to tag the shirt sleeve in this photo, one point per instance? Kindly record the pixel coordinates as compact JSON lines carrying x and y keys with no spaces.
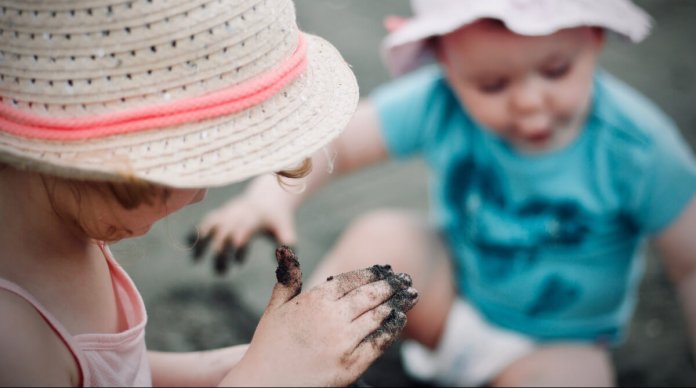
{"x":664,"y":179}
{"x":408,"y":110}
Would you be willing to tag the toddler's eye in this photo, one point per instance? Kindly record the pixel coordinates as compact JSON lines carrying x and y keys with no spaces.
{"x":556,"y":71}
{"x":493,"y":86}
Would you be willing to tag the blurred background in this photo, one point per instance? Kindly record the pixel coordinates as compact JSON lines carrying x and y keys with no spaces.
{"x":191,"y":308}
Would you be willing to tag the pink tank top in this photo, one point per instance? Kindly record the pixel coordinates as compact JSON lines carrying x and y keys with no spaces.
{"x":114,"y":360}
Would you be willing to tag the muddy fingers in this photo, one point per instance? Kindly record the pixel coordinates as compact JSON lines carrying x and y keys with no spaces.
{"x":288,"y":267}
{"x":199,"y":244}
{"x":288,"y":276}
{"x":340,"y":285}
{"x":240,"y":254}
{"x":224,"y":257}
{"x":399,"y":281}
{"x":381,"y":271}
{"x":382,"y":305}
{"x":388,"y":332}
{"x":224,"y":253}
{"x":404,"y":300}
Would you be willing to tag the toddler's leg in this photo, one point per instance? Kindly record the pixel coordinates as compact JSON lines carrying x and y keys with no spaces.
{"x":560,"y":365}
{"x":404,"y":241}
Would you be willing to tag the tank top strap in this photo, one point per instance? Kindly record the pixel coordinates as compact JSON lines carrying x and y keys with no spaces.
{"x":127,"y":294}
{"x":51,"y":320}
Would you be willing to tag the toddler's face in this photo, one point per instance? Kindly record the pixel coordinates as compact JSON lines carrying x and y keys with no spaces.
{"x":532,"y":91}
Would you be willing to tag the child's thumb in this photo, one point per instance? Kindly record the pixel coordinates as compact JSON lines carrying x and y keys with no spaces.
{"x":288,"y":275}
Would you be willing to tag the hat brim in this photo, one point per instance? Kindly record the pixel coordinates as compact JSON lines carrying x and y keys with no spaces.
{"x":272,"y":136}
{"x":405,"y":49}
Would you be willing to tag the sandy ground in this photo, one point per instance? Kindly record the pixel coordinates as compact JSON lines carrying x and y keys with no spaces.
{"x":190,"y":308}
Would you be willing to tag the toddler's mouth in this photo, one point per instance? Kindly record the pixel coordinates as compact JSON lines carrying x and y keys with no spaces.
{"x":538,"y":138}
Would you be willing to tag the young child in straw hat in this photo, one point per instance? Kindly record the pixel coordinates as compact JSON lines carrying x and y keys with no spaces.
{"x":114,"y":114}
{"x":547,"y":176}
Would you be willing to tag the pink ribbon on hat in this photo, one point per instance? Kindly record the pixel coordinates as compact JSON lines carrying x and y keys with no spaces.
{"x":222,"y":102}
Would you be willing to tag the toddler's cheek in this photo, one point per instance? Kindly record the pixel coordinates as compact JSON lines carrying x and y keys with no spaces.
{"x":491,"y":114}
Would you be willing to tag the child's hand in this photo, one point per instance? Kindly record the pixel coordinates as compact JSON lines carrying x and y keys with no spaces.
{"x":227,"y":230}
{"x":328,"y":335}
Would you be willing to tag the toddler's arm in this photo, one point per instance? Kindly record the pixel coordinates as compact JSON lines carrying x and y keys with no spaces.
{"x":267,"y":206}
{"x":678,"y":248}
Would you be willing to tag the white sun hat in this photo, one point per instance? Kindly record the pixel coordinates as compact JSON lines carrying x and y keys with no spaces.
{"x":405,"y":48}
{"x":183,"y":93}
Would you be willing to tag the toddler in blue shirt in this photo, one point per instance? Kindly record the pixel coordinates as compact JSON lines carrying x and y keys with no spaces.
{"x":547,"y":176}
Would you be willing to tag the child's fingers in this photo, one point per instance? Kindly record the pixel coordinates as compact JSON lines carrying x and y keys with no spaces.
{"x":384,"y":316}
{"x":191,"y":241}
{"x":396,"y":294}
{"x":209,"y":223}
{"x":288,"y":276}
{"x":370,"y":321}
{"x":223,"y":258}
{"x":240,"y":254}
{"x":191,"y":238}
{"x":199,"y":243}
{"x":343,"y":283}
{"x":375,"y":343}
{"x":404,"y":299}
{"x":388,"y":332}
{"x":220,"y":244}
{"x":241,"y":234}
{"x":367,"y":297}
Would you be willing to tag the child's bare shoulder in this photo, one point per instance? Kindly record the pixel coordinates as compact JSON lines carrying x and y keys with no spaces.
{"x":32,"y":353}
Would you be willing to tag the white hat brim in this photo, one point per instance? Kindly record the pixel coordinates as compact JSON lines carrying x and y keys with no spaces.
{"x":404,"y":49}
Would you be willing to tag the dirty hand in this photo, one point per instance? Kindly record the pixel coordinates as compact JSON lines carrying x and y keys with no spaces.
{"x":328,"y":335}
{"x":228,"y":229}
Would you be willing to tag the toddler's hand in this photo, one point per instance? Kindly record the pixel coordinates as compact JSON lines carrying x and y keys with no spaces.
{"x":227,"y":230}
{"x":328,"y":335}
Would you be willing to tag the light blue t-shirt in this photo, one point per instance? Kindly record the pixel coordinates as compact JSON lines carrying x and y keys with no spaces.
{"x":550,"y":244}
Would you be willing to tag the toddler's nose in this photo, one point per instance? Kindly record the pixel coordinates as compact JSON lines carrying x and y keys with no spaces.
{"x":527,"y":97}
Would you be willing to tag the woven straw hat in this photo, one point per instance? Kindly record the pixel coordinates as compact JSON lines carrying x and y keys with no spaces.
{"x":406,"y":48}
{"x":184,"y":93}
